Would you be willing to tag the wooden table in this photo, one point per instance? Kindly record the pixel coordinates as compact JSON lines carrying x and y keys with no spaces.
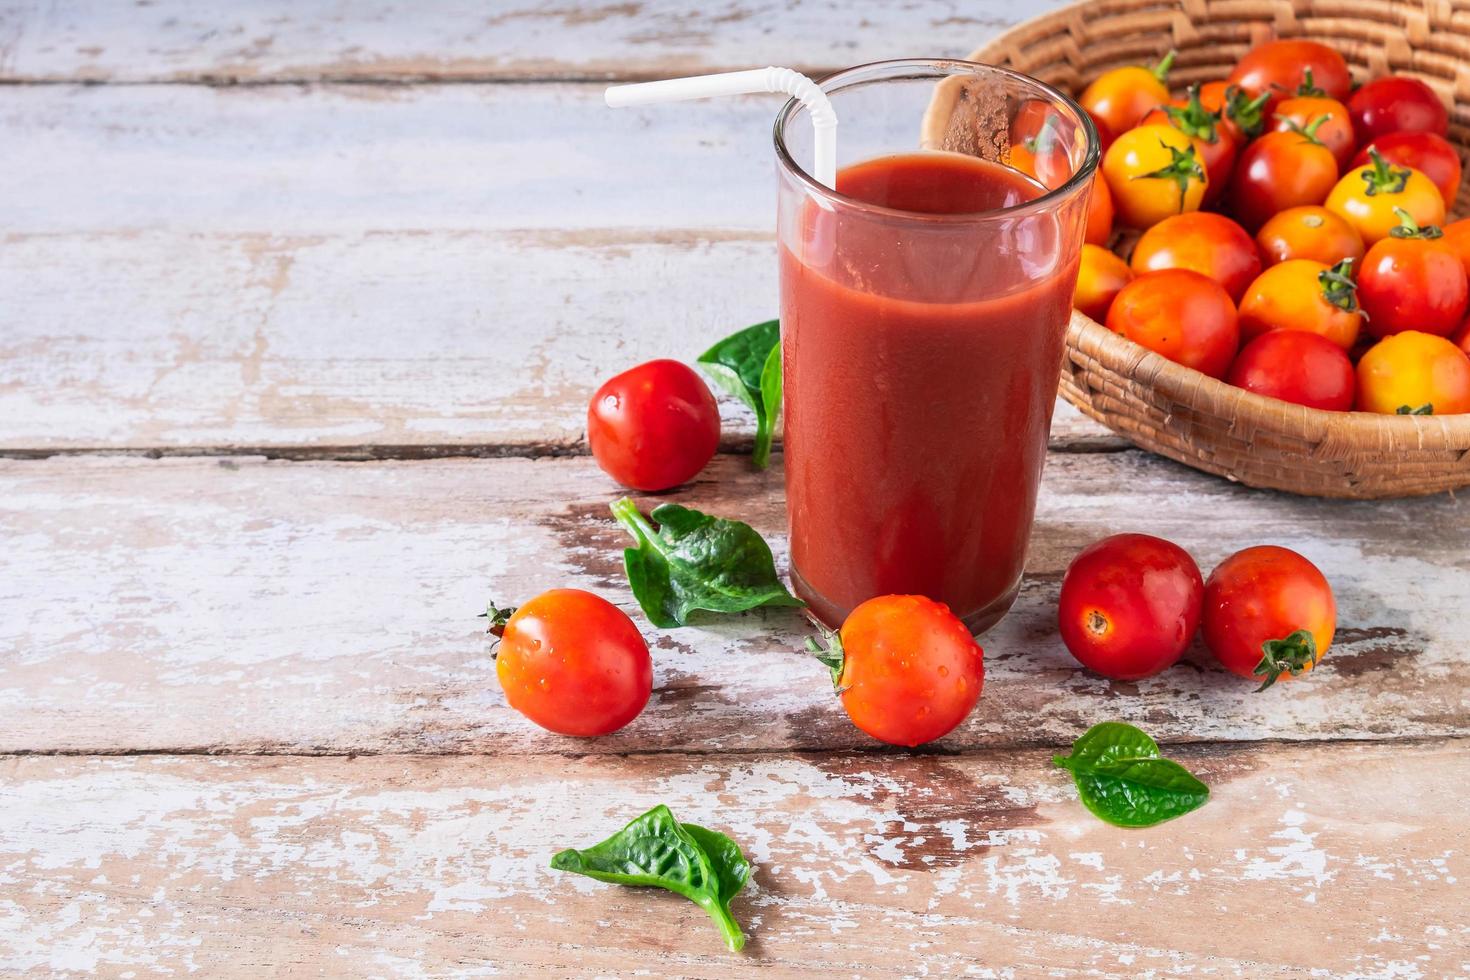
{"x":300,"y":306}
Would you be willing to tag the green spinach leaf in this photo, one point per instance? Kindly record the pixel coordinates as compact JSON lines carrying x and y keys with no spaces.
{"x":1123,"y":780}
{"x":747,"y":364}
{"x":695,"y":561}
{"x":657,"y":851}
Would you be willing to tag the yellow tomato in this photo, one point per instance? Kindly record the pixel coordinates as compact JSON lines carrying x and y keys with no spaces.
{"x":1414,"y":373}
{"x":1155,"y":171}
{"x":1100,"y":277}
{"x":1367,"y":197}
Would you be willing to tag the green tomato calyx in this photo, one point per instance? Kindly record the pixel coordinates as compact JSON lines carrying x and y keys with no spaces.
{"x":1292,"y":655}
{"x":1381,"y":177}
{"x":1411,"y":229}
{"x":1338,"y":287}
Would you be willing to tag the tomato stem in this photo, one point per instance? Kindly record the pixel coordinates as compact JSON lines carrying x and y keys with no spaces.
{"x":830,"y":653}
{"x":1338,"y":287}
{"x":1426,"y":409}
{"x":1193,"y":119}
{"x":1409,"y":228}
{"x":1161,"y":70}
{"x":1308,"y":87}
{"x":1292,"y":655}
{"x":498,"y":617}
{"x":1381,"y":177}
{"x":1247,"y":113}
{"x":1308,"y":132}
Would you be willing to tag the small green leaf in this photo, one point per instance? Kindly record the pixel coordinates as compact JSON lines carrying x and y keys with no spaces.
{"x":741,"y":364}
{"x":772,"y":384}
{"x":694,"y":561}
{"x":656,"y":851}
{"x":1122,"y":779}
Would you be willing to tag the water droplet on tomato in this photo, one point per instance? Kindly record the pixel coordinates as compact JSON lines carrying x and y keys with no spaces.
{"x":943,"y":671}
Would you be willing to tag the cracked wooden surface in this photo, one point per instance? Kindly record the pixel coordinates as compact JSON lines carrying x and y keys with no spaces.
{"x":251,"y":725}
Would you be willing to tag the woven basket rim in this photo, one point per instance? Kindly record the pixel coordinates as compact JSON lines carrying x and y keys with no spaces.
{"x":1196,"y":389}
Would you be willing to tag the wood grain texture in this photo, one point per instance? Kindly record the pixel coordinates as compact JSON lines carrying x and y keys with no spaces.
{"x":238,"y":605}
{"x":376,"y":344}
{"x":282,"y":41}
{"x":1305,"y":861}
{"x":341,"y":271}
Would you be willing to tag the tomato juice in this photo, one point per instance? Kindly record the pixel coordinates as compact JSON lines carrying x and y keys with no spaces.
{"x":922,"y":341}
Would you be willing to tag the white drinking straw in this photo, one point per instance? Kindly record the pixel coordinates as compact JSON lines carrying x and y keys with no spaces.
{"x":782,"y":80}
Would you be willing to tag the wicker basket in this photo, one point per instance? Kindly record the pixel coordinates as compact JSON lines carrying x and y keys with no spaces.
{"x":1174,"y":410}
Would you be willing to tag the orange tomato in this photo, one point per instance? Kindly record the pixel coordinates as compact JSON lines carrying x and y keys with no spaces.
{"x":1280,"y":171}
{"x":1153,"y":172}
{"x":1335,"y":131}
{"x":1183,"y":315}
{"x":1413,"y":373}
{"x":1310,"y":232}
{"x":1206,"y":242}
{"x":1101,"y":275}
{"x":1367,"y":196}
{"x":1121,"y":97}
{"x":1100,"y":211}
{"x":1300,"y":294}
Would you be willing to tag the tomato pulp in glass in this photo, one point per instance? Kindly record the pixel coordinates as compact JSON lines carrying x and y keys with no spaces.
{"x":921,"y":357}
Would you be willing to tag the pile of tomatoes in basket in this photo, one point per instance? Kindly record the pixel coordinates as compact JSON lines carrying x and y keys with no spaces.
{"x":1292,"y":235}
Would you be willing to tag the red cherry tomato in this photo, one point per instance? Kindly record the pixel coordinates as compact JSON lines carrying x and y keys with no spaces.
{"x":1280,"y":171}
{"x":1429,"y":153}
{"x":1412,"y":280}
{"x":907,"y":670}
{"x":654,"y":426}
{"x":1295,"y":366}
{"x":1269,"y":614}
{"x":1457,"y":238}
{"x":1280,"y":68}
{"x":1208,"y":243}
{"x":1335,"y":131}
{"x":1217,"y":141}
{"x":1397,"y":103}
{"x":1130,"y":605}
{"x":1461,"y":339}
{"x":1185,"y":316}
{"x":573,"y":663}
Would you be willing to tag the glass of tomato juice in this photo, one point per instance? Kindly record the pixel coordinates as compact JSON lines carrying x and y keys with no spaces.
{"x":923,"y":307}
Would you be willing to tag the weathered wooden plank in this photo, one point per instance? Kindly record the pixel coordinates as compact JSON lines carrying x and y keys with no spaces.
{"x":203,"y":605}
{"x":376,"y":344}
{"x":348,"y":268}
{"x":277,"y":40}
{"x":1306,"y":860}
